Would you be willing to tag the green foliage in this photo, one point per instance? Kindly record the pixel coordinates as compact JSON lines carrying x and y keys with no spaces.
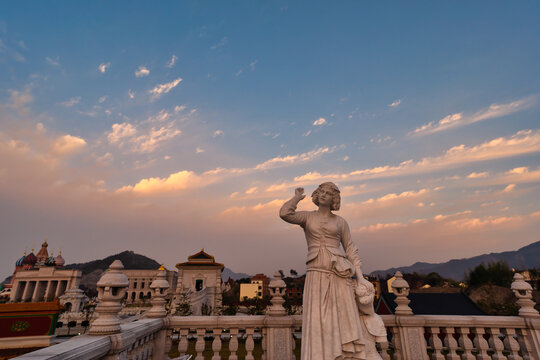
{"x":184,"y":306}
{"x":255,"y":306}
{"x":496,"y":273}
{"x":294,"y":273}
{"x":206,"y":310}
{"x":230,"y":310}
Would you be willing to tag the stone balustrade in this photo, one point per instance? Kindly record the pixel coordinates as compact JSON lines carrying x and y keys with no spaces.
{"x":276,"y":336}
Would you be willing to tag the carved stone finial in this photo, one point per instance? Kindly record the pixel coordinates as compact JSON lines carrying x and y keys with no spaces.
{"x":111,"y":290}
{"x":523,"y":291}
{"x":159,"y":291}
{"x":400,"y":287}
{"x":277,"y":290}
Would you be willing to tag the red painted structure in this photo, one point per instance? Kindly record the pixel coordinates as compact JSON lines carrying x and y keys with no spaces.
{"x":29,"y":319}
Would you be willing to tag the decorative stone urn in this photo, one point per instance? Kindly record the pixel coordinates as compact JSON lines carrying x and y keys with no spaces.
{"x":523,"y":291}
{"x":400,"y":287}
{"x":111,"y":291}
{"x":159,"y":291}
{"x":277,"y":290}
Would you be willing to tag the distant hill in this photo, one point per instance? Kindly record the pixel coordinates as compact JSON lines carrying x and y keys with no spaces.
{"x":128,"y":258}
{"x":228,"y":273}
{"x":527,"y":257}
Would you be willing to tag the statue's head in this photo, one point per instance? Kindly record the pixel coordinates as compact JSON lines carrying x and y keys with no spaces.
{"x":333,"y":189}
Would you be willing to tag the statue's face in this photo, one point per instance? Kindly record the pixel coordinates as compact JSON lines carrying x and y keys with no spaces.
{"x":326,"y":196}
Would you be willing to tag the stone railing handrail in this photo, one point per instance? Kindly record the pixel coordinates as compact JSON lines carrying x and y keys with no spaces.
{"x":134,"y":338}
{"x":213,"y":322}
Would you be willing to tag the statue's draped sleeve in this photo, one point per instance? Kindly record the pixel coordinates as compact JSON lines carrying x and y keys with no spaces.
{"x":289,"y":214}
{"x":350,"y":248}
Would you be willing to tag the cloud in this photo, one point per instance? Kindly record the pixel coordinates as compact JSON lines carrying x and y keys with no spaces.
{"x":218,"y":133}
{"x":131,"y":94}
{"x":52,"y":62}
{"x":142,"y":71}
{"x":19,"y":99}
{"x":71,"y":102}
{"x":221,"y":43}
{"x":104,"y":67}
{"x":161,"y":89}
{"x":67,"y":145}
{"x":252,"y":64}
{"x":120,"y":132}
{"x":199,"y":150}
{"x":458,"y":119}
{"x":307,"y":133}
{"x":320,"y":121}
{"x":251,"y":190}
{"x":475,"y":175}
{"x":267,"y":207}
{"x":171,"y":62}
{"x":102,"y":99}
{"x":126,"y":133}
{"x":509,"y":188}
{"x":293,"y":159}
{"x":178,"y":181}
{"x":396,"y":103}
{"x":149,"y":143}
{"x":190,"y":179}
{"x":455,"y":223}
{"x":178,"y":109}
{"x":521,"y":143}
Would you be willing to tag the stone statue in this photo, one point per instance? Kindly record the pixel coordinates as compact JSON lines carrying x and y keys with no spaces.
{"x":338,"y":317}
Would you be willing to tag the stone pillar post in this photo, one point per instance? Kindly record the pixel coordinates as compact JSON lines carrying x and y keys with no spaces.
{"x":35,"y":294}
{"x":29,"y":290}
{"x":279,"y":337}
{"x":111,"y":289}
{"x":523,"y":292}
{"x":47,"y":289}
{"x":159,"y":291}
{"x":410,"y":328}
{"x":18,"y":291}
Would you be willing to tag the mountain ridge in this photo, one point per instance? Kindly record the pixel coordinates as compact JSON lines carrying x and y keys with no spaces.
{"x":526,"y":257}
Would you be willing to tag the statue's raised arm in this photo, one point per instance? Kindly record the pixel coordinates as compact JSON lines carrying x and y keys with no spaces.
{"x":288,"y":210}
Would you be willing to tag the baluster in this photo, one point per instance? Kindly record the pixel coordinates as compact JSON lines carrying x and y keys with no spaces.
{"x":183,"y":343}
{"x":168,"y":343}
{"x":466,"y":344}
{"x":451,"y":343}
{"x":216,"y":344}
{"x":144,"y":348}
{"x":136,"y":350}
{"x":398,"y":351}
{"x":435,"y":343}
{"x":524,"y":343}
{"x":511,"y":344}
{"x":233,"y":344}
{"x":199,"y":345}
{"x":263,"y":343}
{"x":481,"y":344}
{"x":293,"y":356}
{"x":250,"y":345}
{"x":496,"y":344}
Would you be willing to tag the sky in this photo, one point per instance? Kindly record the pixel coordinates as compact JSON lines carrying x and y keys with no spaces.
{"x":169,"y":127}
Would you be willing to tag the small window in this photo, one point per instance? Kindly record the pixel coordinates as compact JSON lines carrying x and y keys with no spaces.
{"x":142,"y":285}
{"x":135,"y":285}
{"x":198,"y":285}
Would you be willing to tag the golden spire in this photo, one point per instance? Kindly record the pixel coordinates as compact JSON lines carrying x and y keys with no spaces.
{"x":161,"y":267}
